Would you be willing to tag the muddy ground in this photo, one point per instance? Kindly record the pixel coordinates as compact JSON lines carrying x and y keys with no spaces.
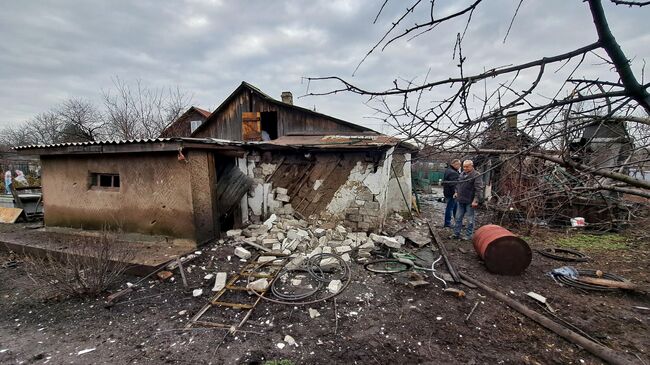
{"x":378,"y":319}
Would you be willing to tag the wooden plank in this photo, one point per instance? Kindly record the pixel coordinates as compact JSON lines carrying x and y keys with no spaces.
{"x":608,"y":283}
{"x":9,"y":215}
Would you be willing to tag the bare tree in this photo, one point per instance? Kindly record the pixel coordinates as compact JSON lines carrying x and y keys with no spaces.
{"x":139,"y":111}
{"x":581,"y":144}
{"x":81,"y":121}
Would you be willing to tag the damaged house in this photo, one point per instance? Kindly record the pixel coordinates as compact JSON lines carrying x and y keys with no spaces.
{"x":251,"y":157}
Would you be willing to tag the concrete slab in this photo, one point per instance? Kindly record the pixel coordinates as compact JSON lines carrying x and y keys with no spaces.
{"x":145,"y":253}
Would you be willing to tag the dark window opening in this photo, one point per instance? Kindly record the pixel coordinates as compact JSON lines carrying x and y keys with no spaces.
{"x":104,"y":181}
{"x":269,"y":121}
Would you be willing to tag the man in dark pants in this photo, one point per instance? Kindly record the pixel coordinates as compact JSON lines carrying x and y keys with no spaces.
{"x":449,"y":188}
{"x":469,"y":191}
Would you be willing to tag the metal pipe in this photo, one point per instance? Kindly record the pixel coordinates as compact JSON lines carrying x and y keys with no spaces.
{"x":595,"y":349}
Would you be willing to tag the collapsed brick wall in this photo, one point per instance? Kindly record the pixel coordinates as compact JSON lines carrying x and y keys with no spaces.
{"x":347,"y":188}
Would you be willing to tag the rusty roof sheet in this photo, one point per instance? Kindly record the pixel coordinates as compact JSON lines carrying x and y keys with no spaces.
{"x":339,"y":141}
{"x":203,"y":112}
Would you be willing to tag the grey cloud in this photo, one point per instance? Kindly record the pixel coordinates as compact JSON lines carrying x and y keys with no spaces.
{"x":53,"y":50}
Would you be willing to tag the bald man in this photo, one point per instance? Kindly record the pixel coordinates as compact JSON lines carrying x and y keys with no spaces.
{"x":469,"y":191}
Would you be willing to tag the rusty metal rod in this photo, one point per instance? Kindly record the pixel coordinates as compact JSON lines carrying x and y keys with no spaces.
{"x":595,"y":349}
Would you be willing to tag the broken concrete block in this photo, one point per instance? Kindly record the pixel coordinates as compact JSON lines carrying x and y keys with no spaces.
{"x":242,"y":253}
{"x":264,"y":259}
{"x":346,"y":257}
{"x":313,"y":313}
{"x":323,"y":241}
{"x":292,"y":234}
{"x":197,"y":292}
{"x":269,"y":242}
{"x":319,"y":232}
{"x":342,"y":249}
{"x":296,"y":282}
{"x":327,"y":249}
{"x":334,"y":286}
{"x":368,"y":245}
{"x":280,"y":190}
{"x":290,"y":340}
{"x":269,"y":222}
{"x":329,"y":263}
{"x":277,"y":246}
{"x":288,"y":244}
{"x":233,"y":233}
{"x":267,"y":168}
{"x":280,"y":236}
{"x":208,"y":277}
{"x":315,"y":251}
{"x":385,"y":240}
{"x":288,"y":209}
{"x":283,"y":198}
{"x":220,"y":281}
{"x":258,"y":285}
{"x":296,"y":262}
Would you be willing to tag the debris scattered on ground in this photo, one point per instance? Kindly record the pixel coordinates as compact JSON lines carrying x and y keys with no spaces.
{"x":220,"y":281}
{"x":313,"y":313}
{"x":564,"y":254}
{"x":197,"y":292}
{"x":290,"y":341}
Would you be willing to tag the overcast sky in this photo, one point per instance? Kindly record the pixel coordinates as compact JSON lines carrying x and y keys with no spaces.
{"x":54,"y":50}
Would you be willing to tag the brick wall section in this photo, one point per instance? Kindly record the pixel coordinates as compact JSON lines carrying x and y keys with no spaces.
{"x":364,"y":212}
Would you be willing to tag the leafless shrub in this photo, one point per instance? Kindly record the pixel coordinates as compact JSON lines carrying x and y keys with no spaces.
{"x":89,"y":268}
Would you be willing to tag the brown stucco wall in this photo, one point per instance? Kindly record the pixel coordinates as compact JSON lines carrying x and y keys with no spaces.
{"x":155,"y":196}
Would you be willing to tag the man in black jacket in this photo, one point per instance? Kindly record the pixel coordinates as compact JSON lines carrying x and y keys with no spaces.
{"x":449,"y":188}
{"x":469,"y":191}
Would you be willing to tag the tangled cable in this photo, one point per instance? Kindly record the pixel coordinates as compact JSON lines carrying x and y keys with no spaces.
{"x":315,"y":271}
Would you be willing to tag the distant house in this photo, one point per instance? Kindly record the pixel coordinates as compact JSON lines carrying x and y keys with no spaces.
{"x":248,"y":114}
{"x":187,"y":123}
{"x":289,"y":159}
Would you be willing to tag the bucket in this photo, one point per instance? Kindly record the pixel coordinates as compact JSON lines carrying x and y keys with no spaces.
{"x":502,"y":251}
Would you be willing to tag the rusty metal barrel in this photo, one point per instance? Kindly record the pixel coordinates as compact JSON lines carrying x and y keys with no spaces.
{"x":502,"y":251}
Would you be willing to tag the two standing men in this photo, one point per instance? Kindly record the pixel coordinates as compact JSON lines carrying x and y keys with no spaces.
{"x":467,"y":191}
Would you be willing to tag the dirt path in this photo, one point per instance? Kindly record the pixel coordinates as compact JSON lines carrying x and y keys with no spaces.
{"x":380,"y":320}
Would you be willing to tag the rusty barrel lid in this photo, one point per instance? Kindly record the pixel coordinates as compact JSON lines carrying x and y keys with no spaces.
{"x":502,"y":251}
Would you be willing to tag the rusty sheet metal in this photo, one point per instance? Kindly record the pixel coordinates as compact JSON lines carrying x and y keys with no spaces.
{"x":336,"y":141}
{"x":251,"y":127}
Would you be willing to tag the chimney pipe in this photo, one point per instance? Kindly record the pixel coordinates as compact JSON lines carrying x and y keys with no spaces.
{"x":511,"y":120}
{"x":287,"y":97}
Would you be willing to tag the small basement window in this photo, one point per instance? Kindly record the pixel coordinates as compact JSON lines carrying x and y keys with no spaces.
{"x":104,"y":181}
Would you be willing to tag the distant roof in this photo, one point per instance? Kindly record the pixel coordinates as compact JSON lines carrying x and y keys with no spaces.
{"x":203,"y":112}
{"x":260,"y":93}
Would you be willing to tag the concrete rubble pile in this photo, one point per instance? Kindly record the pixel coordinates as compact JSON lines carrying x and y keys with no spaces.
{"x":285,"y":235}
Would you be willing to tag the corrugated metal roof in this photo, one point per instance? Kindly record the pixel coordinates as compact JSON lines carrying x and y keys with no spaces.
{"x":89,"y":143}
{"x":333,"y":141}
